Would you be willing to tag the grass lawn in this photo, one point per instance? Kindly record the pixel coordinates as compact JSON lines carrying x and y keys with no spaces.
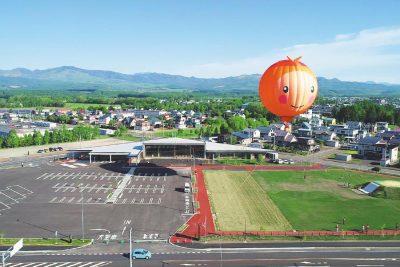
{"x":320,"y":201}
{"x":239,"y":202}
{"x":43,"y":242}
{"x":187,"y":133}
{"x":128,"y":137}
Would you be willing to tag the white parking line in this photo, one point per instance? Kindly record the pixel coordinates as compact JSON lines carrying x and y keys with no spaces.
{"x":147,"y":188}
{"x":159,"y":200}
{"x":9,"y":197}
{"x":138,"y":189}
{"x":141,"y":201}
{"x":61,"y":200}
{"x":151,"y":201}
{"x":69,"y":201}
{"x":124,"y":201}
{"x":133,"y":201}
{"x":89,"y":199}
{"x":5,"y":207}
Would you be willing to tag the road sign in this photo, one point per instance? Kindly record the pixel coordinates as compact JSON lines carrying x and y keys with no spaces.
{"x":11,"y":251}
{"x":17,"y":247}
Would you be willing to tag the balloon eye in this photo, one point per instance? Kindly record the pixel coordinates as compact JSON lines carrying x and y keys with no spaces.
{"x":285,"y":89}
{"x":312,"y":89}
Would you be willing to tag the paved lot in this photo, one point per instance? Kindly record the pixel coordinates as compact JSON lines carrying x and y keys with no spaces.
{"x":38,"y":201}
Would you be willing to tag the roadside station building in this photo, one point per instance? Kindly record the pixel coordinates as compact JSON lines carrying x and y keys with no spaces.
{"x":167,"y":148}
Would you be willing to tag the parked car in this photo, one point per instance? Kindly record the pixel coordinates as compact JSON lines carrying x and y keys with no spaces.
{"x":291,"y":161}
{"x":140,"y":253}
{"x":40,"y":151}
{"x":60,"y":148}
{"x":279,"y":161}
{"x":51,"y":149}
{"x":45,"y":150}
{"x":187,"y":188}
{"x":285,"y":161}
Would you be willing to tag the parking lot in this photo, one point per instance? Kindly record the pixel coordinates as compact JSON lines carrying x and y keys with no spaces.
{"x":37,"y":202}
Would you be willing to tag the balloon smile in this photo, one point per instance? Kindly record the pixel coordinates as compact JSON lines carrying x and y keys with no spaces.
{"x":297,"y":107}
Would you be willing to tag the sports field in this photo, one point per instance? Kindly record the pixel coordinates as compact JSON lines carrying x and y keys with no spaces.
{"x":282,"y":200}
{"x":240,"y":203}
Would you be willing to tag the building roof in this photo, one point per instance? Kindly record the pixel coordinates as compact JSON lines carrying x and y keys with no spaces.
{"x":241,"y":135}
{"x":128,"y":149}
{"x":370,"y":140}
{"x":173,"y":141}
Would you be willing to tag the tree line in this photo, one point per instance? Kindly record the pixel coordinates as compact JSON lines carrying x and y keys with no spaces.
{"x":367,"y":111}
{"x":62,"y":135}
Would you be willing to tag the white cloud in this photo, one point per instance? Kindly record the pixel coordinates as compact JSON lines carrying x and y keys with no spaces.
{"x":369,"y":55}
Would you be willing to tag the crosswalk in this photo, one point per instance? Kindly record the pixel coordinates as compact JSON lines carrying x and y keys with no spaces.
{"x":58,"y":264}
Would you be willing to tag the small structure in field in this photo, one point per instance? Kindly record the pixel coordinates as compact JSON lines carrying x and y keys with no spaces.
{"x":343,"y":157}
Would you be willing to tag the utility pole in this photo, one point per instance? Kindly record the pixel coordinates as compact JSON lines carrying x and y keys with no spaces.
{"x":130,"y":247}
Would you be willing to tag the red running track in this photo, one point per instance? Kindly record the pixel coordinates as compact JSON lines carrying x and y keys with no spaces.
{"x":202,"y":221}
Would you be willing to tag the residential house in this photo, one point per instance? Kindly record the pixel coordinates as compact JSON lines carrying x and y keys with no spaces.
{"x":316,"y":122}
{"x":382,"y":126}
{"x":104,"y":120}
{"x":324,"y":135}
{"x":305,"y":130}
{"x":354,"y":125}
{"x":329,"y":121}
{"x":307,"y":144}
{"x":243,"y":138}
{"x":253,"y":133}
{"x":142,"y":125}
{"x":378,"y":148}
{"x":283,"y":138}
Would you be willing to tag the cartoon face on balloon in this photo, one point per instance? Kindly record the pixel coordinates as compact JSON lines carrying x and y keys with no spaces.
{"x":288,"y":88}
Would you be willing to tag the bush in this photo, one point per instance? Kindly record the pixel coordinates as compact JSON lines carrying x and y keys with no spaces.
{"x":376,"y":169}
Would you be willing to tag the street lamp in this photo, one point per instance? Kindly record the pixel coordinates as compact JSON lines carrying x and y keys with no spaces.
{"x":82,"y":222}
{"x":130,"y":247}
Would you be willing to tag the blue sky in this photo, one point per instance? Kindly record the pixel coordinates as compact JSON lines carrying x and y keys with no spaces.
{"x":350,"y":40}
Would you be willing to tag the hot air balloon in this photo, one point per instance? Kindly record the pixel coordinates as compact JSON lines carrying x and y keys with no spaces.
{"x":288,"y":88}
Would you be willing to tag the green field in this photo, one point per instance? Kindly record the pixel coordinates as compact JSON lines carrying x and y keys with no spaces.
{"x":184,"y":133}
{"x":240,"y":203}
{"x":318,"y":202}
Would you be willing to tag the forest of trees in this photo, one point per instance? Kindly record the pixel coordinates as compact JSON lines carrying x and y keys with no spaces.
{"x":367,"y":111}
{"x":62,"y":135}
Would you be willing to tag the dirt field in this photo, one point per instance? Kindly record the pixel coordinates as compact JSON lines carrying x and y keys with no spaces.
{"x":389,"y":183}
{"x":241,"y":204}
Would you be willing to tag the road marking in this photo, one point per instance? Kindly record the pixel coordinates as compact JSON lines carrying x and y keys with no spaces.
{"x":147,"y":188}
{"x":61,"y":200}
{"x":89,"y":199}
{"x":123,"y":201}
{"x":151,"y":201}
{"x":53,"y":200}
{"x":141,"y":201}
{"x":69,"y":201}
{"x":138,"y":190}
{"x":133,"y":200}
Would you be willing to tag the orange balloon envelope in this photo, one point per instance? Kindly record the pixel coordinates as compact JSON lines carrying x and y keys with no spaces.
{"x":288,"y":88}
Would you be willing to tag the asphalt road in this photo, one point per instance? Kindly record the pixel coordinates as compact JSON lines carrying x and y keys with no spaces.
{"x":360,"y":257}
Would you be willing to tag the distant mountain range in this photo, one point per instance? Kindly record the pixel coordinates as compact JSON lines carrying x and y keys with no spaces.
{"x":68,"y":77}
